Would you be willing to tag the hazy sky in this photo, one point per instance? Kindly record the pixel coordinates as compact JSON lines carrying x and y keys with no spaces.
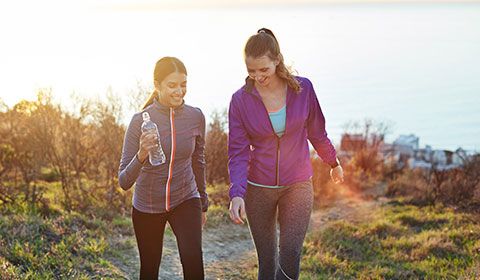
{"x":76,"y":45}
{"x":89,"y":46}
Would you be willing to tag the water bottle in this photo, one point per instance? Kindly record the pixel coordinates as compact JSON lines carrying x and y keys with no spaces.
{"x":156,"y":155}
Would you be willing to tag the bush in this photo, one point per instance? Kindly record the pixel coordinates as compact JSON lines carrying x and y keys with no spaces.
{"x":407,"y":184}
{"x":463,"y":185}
{"x":49,"y":175}
{"x":368,"y":161}
{"x":218,"y":194}
{"x":458,"y":187}
{"x":324,"y":190}
{"x":217,"y":215}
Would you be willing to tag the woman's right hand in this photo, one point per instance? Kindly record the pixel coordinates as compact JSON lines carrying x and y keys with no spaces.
{"x":237,"y":210}
{"x":337,"y":174}
{"x":148,"y":141}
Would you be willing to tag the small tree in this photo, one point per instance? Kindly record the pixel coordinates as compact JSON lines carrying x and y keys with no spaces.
{"x":52,"y":138}
{"x":109,"y":138}
{"x":28,"y":154}
{"x":6,"y":165}
{"x":366,"y":162}
{"x":216,"y":150}
{"x":136,"y":98}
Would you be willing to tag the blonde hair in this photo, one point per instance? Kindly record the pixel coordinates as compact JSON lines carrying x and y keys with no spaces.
{"x":265,"y":43}
{"x":164,"y":67}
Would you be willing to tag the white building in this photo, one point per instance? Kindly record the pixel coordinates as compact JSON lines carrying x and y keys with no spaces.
{"x":406,"y":151}
{"x":406,"y":145}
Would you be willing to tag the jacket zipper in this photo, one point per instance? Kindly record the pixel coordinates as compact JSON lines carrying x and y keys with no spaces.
{"x":172,"y":159}
{"x":278,"y":161}
{"x":277,"y":166}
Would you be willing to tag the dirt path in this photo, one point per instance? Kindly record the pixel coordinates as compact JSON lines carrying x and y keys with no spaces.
{"x":350,"y":206}
{"x":225,"y":250}
{"x":228,"y":249}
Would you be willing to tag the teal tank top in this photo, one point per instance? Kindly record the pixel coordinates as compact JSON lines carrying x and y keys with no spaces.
{"x":278,"y":120}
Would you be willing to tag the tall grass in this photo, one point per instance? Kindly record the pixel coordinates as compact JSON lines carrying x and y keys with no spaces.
{"x":63,"y":246}
{"x":399,"y":241}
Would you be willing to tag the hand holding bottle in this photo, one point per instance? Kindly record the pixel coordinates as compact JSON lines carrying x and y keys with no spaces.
{"x":148,"y":142}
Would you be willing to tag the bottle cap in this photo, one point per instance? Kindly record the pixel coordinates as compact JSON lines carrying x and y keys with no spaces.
{"x":145,"y":116}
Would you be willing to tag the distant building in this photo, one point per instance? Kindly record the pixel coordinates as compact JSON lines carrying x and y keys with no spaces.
{"x":352,"y":142}
{"x":415,"y":163}
{"x":407,"y":140}
{"x":406,"y":145}
{"x":440,"y":159}
{"x":459,"y":157}
{"x":404,"y":151}
{"x":424,"y":154}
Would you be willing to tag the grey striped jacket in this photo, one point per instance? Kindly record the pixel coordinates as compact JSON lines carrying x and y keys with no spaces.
{"x":159,"y":189}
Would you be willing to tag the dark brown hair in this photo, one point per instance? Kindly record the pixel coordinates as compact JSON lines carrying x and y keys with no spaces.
{"x":265,"y":43}
{"x":164,"y":67}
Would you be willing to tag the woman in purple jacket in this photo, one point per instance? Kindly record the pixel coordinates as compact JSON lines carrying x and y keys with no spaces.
{"x":270,"y":120}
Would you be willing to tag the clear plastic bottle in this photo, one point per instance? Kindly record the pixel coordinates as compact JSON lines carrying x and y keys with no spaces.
{"x":156,"y":156}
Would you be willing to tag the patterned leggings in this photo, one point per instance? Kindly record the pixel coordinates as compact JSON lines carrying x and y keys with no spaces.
{"x":292,"y":207}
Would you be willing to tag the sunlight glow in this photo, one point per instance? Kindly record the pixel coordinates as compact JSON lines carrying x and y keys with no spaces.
{"x":352,"y":53}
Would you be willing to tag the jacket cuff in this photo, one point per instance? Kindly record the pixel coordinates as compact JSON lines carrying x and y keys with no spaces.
{"x":144,"y":162}
{"x":205,"y":203}
{"x":236,"y":191}
{"x":335,"y":163}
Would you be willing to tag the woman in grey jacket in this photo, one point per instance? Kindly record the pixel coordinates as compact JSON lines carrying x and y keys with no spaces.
{"x":174,"y":191}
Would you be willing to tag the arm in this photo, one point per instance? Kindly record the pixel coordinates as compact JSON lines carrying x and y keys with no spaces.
{"x":238,"y":152}
{"x":198,"y":164}
{"x":317,"y":135}
{"x":130,"y":165}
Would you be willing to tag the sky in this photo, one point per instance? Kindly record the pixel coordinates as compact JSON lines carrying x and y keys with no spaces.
{"x":89,"y":47}
{"x":75,"y":45}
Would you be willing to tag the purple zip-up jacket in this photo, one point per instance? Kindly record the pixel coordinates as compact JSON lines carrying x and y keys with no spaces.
{"x":257,"y":154}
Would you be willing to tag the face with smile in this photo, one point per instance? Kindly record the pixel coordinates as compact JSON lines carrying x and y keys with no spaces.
{"x":172,"y":89}
{"x":261,"y":69}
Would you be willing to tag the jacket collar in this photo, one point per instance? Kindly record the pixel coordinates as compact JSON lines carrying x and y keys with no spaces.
{"x":251,"y":89}
{"x":249,"y":84}
{"x":166,"y":109}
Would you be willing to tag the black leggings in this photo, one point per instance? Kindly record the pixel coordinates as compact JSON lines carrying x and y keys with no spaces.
{"x":186,"y":223}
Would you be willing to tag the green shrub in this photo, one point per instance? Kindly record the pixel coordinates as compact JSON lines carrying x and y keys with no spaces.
{"x":49,"y":175}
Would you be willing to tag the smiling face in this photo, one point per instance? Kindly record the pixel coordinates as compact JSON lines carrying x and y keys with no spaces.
{"x":172,"y":89}
{"x":261,"y":69}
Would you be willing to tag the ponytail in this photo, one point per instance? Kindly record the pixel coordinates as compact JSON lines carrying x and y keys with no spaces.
{"x":150,"y":99}
{"x":286,"y":74}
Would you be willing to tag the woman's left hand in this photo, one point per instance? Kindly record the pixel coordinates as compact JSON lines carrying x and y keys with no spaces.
{"x":337,"y":174}
{"x":204,"y":218}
